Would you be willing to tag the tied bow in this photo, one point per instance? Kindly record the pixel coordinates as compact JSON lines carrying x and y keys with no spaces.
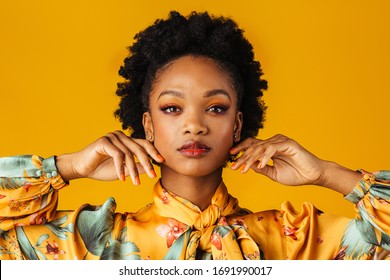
{"x":218,"y":232}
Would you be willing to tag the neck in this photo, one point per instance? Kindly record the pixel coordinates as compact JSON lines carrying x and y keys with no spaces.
{"x":197,"y":189}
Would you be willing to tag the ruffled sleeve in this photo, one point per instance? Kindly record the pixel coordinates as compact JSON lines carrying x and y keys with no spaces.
{"x":308,"y":233}
{"x":28,"y":190}
{"x":368,"y":235}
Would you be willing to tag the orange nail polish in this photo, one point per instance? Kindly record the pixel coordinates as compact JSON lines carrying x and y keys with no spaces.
{"x":233,"y":165}
{"x":123,"y":177}
{"x":160,"y":158}
{"x":243,"y":167}
{"x":153,"y":173}
{"x":137,"y":181}
{"x":231,"y":150}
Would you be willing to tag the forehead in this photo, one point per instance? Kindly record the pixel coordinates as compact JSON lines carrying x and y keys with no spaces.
{"x":193,"y":73}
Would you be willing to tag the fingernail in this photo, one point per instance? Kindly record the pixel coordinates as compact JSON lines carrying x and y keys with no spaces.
{"x":243,"y":167}
{"x":259,"y":165}
{"x":123,"y":177}
{"x":231,"y":150}
{"x":160,"y":158}
{"x":137,"y":181}
{"x":233,"y":164}
{"x":153,"y":173}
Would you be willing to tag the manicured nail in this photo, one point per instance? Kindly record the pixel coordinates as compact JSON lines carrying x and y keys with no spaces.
{"x":243,"y":167}
{"x":160,"y":158}
{"x":153,"y":173}
{"x":233,"y":164}
{"x":137,"y":181}
{"x":123,"y":177}
{"x":231,"y":150}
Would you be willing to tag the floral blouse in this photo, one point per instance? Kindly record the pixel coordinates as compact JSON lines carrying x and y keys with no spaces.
{"x":31,"y":226}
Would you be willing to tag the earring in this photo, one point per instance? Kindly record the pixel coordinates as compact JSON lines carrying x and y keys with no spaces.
{"x":150,"y":137}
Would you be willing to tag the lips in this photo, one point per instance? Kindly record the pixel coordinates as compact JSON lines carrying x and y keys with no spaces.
{"x":194,"y":149}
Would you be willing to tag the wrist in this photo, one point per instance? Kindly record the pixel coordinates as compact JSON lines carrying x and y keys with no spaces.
{"x":338,"y":178}
{"x":65,"y":167}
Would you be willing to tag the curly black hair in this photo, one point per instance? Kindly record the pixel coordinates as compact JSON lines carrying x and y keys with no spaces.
{"x":199,"y":34}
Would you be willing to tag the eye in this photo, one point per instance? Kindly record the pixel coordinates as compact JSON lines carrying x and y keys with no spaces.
{"x":218,"y":109}
{"x":170,"y":109}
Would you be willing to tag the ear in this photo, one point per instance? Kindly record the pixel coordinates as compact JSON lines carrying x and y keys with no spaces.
{"x":148,"y":126}
{"x":237,"y":127}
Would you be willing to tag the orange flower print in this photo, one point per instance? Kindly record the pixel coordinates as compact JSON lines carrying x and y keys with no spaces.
{"x":216,"y":241}
{"x":164,"y":197}
{"x":341,"y":253}
{"x":171,"y":231}
{"x":222,"y":221}
{"x":288,"y":231}
{"x":319,"y":240}
{"x":239,"y":222}
{"x":27,"y":186}
{"x":53,"y":249}
{"x":37,"y":219}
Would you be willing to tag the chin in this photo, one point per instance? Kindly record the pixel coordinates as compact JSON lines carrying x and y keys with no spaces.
{"x":199,"y":169}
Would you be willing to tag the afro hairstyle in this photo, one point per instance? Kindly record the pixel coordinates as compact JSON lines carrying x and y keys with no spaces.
{"x":198,"y":34}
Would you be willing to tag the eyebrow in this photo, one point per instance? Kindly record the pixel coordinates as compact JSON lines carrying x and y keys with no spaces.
{"x":209,"y":93}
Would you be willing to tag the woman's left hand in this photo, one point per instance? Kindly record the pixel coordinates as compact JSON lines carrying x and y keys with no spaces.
{"x":292,"y":164}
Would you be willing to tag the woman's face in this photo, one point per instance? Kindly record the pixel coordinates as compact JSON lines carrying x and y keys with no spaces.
{"x":193,"y":116}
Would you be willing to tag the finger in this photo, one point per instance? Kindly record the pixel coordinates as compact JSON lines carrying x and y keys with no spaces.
{"x":268,"y":171}
{"x":248,"y":158}
{"x":105,"y":147}
{"x":129,"y":160}
{"x":136,"y":149}
{"x":243,"y":146}
{"x":150,"y":149}
{"x":253,"y":160}
{"x":258,"y":154}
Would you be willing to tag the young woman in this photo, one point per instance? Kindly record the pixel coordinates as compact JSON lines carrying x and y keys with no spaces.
{"x":192,"y":100}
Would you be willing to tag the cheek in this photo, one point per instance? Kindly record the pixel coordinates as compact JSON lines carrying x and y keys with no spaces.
{"x":225,"y":136}
{"x":163,"y":135}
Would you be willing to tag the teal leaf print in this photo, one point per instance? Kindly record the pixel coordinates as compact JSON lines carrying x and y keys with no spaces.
{"x":25,"y":245}
{"x":352,"y":240}
{"x":222,"y":230}
{"x":58,"y":230}
{"x":121,"y":251}
{"x":385,"y":241}
{"x":41,"y":255}
{"x":175,"y":250}
{"x":123,"y":235}
{"x":42,"y":238}
{"x":58,"y":222}
{"x":95,"y":224}
{"x":377,"y":190}
{"x":383,"y":175}
{"x":10,"y":183}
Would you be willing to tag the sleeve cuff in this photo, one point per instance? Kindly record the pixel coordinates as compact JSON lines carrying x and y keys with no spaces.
{"x":361,"y":188}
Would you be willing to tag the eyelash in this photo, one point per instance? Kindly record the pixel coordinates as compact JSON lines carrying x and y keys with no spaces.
{"x":167,"y":109}
{"x":220,"y":109}
{"x":174,"y":109}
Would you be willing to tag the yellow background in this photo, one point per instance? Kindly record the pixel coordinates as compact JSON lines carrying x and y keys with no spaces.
{"x":327,"y":64}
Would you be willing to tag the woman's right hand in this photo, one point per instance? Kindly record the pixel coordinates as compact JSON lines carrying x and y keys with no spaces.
{"x":109,"y":158}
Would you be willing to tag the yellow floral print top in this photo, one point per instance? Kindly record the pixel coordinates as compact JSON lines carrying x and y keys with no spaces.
{"x":173,"y":228}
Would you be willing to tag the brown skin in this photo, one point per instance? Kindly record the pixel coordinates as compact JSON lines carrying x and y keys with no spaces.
{"x":193,"y":100}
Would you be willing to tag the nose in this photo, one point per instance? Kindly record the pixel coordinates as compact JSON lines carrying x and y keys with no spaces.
{"x":194,"y":124}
